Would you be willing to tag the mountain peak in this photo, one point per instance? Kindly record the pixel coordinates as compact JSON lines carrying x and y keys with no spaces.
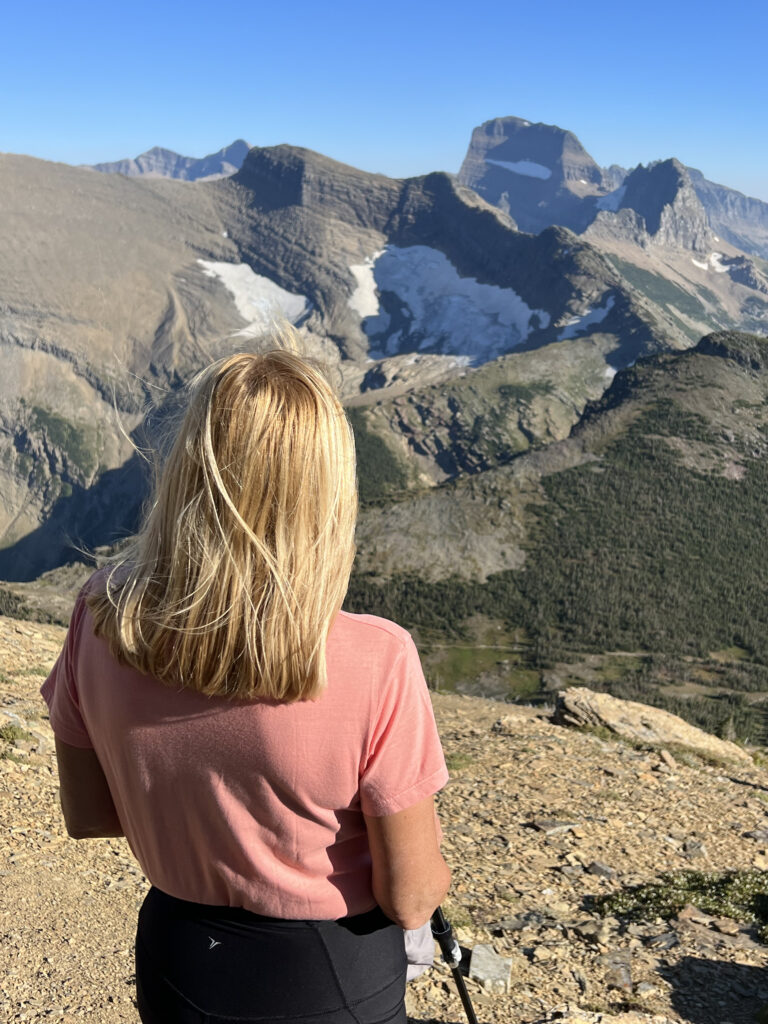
{"x":159,"y":162}
{"x":665,"y":205}
{"x":539,"y":173}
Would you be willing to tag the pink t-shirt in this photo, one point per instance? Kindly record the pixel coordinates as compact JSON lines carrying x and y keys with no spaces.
{"x":256,"y":804}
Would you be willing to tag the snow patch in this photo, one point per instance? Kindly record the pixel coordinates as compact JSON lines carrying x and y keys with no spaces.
{"x":578,"y":324}
{"x":613,"y":200}
{"x":526,"y":167}
{"x":434,"y":309}
{"x":609,"y":372}
{"x":364,"y":299}
{"x":713,"y":262}
{"x":257,"y":299}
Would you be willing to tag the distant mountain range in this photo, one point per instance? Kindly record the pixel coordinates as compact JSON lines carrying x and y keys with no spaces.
{"x":460,"y":340}
{"x":164,"y":163}
{"x":576,"y":190}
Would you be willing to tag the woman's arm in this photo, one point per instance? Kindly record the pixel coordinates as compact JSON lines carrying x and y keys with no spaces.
{"x":410,"y":877}
{"x":86,"y":802}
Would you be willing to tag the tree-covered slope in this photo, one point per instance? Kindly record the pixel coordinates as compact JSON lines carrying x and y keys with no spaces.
{"x":643,"y":533}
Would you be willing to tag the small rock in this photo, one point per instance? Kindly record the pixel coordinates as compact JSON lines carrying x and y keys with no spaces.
{"x":550,"y":827}
{"x":601,"y":870}
{"x":667,"y":758}
{"x":693,"y":914}
{"x":594,"y":932}
{"x":491,"y":971}
{"x":760,"y":834}
{"x":694,"y":848}
{"x":580,"y":979}
{"x":508,"y":924}
{"x":541,"y":953}
{"x":664,"y":941}
{"x":619,"y":977}
{"x":726,"y":926}
{"x":646,"y":989}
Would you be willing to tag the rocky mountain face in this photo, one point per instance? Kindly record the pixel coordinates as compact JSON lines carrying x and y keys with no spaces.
{"x":115,"y":289}
{"x":164,"y":163}
{"x":542,"y":175}
{"x":740,"y":220}
{"x":656,"y":205}
{"x":731,"y":429}
{"x":537,"y":173}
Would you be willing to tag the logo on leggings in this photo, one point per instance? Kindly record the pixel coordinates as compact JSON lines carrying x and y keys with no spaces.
{"x":213,"y":942}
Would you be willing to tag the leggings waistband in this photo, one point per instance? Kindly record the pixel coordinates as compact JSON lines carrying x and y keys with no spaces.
{"x":227,"y":963}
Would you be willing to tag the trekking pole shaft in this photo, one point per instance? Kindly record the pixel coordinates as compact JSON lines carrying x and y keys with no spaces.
{"x":441,"y":930}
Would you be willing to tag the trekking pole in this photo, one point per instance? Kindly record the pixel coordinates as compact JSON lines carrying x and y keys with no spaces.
{"x":449,"y":947}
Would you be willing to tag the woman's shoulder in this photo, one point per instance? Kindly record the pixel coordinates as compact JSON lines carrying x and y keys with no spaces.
{"x":106,"y":577}
{"x":371,"y":628}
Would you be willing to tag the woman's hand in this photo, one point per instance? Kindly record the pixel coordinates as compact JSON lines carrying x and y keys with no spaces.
{"x":410,"y":877}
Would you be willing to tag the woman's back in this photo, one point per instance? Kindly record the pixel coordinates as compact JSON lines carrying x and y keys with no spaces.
{"x":257,"y":804}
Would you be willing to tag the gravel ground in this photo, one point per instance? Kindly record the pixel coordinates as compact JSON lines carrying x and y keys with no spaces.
{"x":538,"y":819}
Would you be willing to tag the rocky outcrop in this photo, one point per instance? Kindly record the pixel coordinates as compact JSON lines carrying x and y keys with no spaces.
{"x":164,"y":163}
{"x":657,"y":205}
{"x":743,"y":270}
{"x":639,"y":722}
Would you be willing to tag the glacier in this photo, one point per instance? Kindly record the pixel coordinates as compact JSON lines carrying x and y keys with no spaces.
{"x":413,"y":299}
{"x":258,"y":300}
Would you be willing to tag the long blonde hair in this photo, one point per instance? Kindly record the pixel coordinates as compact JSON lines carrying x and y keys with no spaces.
{"x":243,"y":561}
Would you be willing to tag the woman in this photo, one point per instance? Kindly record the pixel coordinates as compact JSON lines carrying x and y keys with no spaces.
{"x":271,"y":760}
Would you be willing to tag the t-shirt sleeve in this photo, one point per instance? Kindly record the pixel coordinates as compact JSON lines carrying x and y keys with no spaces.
{"x":59,"y":691}
{"x":404,"y":760}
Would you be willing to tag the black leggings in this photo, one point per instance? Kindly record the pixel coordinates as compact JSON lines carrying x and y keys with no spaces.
{"x":210,"y":965}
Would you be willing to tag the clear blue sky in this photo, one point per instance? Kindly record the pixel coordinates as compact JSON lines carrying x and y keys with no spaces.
{"x":394,"y":86}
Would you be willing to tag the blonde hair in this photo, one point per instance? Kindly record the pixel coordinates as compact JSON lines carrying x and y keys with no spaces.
{"x":243,"y":561}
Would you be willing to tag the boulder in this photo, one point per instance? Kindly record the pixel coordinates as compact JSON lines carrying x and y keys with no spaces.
{"x":579,"y":706}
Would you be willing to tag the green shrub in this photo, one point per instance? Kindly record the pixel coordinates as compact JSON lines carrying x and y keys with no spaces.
{"x":741,"y":895}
